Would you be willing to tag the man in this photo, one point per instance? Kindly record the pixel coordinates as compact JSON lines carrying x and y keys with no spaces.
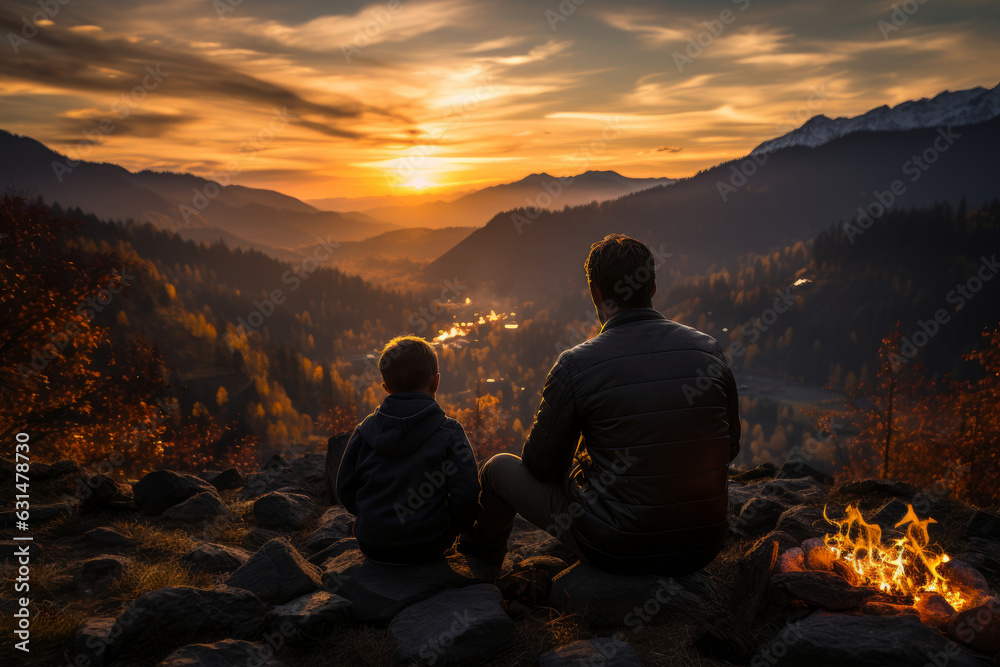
{"x":648,"y":407}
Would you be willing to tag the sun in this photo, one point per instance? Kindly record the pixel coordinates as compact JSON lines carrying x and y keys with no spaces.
{"x":418,"y":183}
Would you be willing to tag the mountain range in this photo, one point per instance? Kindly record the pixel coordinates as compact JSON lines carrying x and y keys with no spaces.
{"x":947,"y":109}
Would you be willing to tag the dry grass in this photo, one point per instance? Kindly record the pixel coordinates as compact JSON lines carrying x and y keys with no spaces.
{"x":52,"y":629}
{"x":150,"y":540}
{"x":139,"y":578}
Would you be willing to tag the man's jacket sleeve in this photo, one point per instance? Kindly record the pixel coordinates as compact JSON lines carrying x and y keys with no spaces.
{"x":463,"y":483}
{"x":347,"y":476}
{"x":548,"y":451}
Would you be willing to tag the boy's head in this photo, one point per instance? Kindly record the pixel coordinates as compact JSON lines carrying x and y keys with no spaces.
{"x":409,"y":363}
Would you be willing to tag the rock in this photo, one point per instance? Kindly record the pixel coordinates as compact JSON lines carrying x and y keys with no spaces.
{"x":311,"y":616}
{"x":228,"y":479}
{"x":322,"y":558}
{"x":934,"y":610}
{"x":39,"y":472}
{"x":794,"y":491}
{"x":278,"y":509}
{"x":380,"y":591}
{"x":984,"y":555}
{"x":793,"y":560}
{"x":106,"y":536}
{"x":162,"y":489}
{"x":798,"y":469}
{"x":866,"y":488}
{"x":277,"y":573}
{"x":303,"y":475}
{"x":257,"y":538}
{"x":604,"y":651}
{"x":803,"y":522}
{"x":335,"y":524}
{"x":530,"y":580}
{"x":753,"y":580}
{"x":91,"y":640}
{"x":822,"y":589}
{"x":759,"y":515}
{"x":979,"y":626}
{"x":763,"y":471}
{"x":838,"y":640}
{"x":225,"y":653}
{"x":214,"y":558}
{"x":887,"y":609}
{"x":984,"y":526}
{"x":40,"y":514}
{"x":102,"y":493}
{"x":961,"y":576}
{"x":463,"y":626}
{"x":162,"y":620}
{"x":818,"y":556}
{"x":549,"y":546}
{"x":99,"y":568}
{"x":335,"y":447}
{"x":201,"y":507}
{"x":603,"y":599}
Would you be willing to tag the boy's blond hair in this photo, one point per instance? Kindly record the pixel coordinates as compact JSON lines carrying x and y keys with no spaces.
{"x":408,"y":363}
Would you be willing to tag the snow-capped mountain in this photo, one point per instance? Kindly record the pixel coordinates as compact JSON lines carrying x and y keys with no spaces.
{"x":947,"y":109}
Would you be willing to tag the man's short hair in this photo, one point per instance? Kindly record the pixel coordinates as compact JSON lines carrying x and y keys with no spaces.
{"x":408,"y":363}
{"x":624,"y":271}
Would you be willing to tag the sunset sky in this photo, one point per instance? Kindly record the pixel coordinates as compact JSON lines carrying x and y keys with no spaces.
{"x":447,"y":95}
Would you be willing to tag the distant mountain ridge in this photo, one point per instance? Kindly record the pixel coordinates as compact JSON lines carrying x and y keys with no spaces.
{"x":946,"y":109}
{"x":541,"y":190}
{"x":193,"y":206}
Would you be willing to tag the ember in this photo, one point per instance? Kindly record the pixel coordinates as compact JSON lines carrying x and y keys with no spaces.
{"x":907,"y":567}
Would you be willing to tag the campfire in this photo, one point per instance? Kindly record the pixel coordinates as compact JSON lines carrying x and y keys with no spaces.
{"x":906,"y":568}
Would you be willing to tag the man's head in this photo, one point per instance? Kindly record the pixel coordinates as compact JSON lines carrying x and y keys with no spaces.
{"x":621,"y":273}
{"x":409,"y":363}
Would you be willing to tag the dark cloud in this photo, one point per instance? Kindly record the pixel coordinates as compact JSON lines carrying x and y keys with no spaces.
{"x":669,"y":149}
{"x":79,"y":61}
{"x":138,"y":124}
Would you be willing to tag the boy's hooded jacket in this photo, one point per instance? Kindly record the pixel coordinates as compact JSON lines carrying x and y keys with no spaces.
{"x":409,"y":476}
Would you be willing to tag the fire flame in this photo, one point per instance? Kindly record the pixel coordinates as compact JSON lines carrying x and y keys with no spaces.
{"x":464,"y":328}
{"x":905,"y":566}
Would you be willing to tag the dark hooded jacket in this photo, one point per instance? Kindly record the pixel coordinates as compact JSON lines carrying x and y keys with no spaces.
{"x":409,"y":476}
{"x":652,"y":405}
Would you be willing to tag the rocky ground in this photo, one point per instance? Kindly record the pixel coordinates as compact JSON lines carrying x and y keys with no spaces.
{"x":226,"y":568}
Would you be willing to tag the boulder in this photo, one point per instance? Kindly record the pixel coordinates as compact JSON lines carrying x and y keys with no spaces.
{"x":798,"y":470}
{"x":822,"y":589}
{"x":984,"y":555}
{"x":380,"y":591}
{"x":322,"y":558}
{"x":874,"y":608}
{"x":604,"y":651}
{"x":984,"y":526}
{"x":228,"y":479}
{"x":277,"y":509}
{"x":818,"y":556}
{"x":91,"y":640}
{"x":100,"y":568}
{"x":214,"y":558}
{"x":803,"y":522}
{"x":463,"y":626}
{"x":162,"y":489}
{"x":257,"y":538}
{"x":758,"y":516}
{"x":603,"y":599}
{"x":225,"y":653}
{"x":837,"y":640}
{"x":979,"y":626}
{"x":934,"y":610}
{"x":961,"y":576}
{"x":277,"y":573}
{"x":160,"y":621}
{"x":793,"y":560}
{"x":302,"y":475}
{"x":530,"y":580}
{"x":765,"y":470}
{"x":40,"y":514}
{"x":102,"y":493}
{"x":106,"y":536}
{"x":794,"y":491}
{"x":43,"y":472}
{"x":335,"y":524}
{"x":310,"y":616}
{"x":201,"y":507}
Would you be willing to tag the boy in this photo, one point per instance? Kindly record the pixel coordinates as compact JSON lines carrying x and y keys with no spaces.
{"x":408,"y":473}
